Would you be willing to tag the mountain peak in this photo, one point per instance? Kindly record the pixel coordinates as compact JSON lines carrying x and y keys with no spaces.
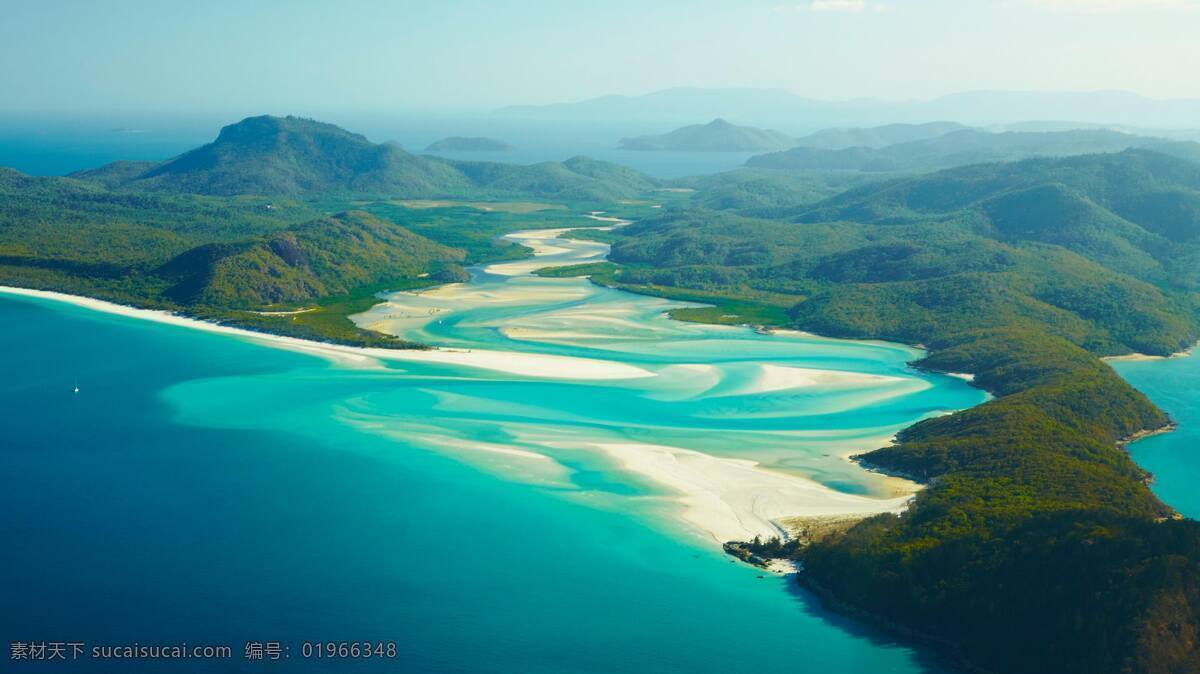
{"x":269,"y":126}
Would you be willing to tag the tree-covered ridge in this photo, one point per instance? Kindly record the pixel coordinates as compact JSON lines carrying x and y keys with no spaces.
{"x":958,"y":148}
{"x":61,"y":221}
{"x":716,"y":136}
{"x":324,"y":257}
{"x":293,"y":156}
{"x":1137,"y":211}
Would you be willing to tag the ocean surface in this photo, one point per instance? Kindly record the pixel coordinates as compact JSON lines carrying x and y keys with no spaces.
{"x":1173,"y":458}
{"x":493,"y":517}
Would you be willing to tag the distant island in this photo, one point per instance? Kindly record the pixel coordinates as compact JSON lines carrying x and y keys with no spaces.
{"x":878,"y":136}
{"x":469,"y":144}
{"x":716,"y":136}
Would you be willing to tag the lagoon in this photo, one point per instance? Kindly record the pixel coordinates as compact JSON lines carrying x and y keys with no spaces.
{"x":214,"y":489}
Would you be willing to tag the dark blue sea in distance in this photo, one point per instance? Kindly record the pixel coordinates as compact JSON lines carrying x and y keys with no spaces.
{"x":57,"y":144}
{"x":124,"y":525}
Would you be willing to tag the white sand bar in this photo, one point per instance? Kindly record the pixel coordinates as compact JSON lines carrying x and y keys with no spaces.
{"x":737,"y":499}
{"x":515,"y":363}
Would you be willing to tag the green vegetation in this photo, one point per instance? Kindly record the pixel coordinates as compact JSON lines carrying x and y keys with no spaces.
{"x":716,"y":136}
{"x":321,"y":258}
{"x":1135,"y":212}
{"x":1036,"y":527}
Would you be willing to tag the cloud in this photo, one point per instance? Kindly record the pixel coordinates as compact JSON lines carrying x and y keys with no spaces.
{"x":1114,"y":6}
{"x":837,"y":5}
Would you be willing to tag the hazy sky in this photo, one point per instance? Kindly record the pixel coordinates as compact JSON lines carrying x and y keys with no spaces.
{"x":279,"y":54}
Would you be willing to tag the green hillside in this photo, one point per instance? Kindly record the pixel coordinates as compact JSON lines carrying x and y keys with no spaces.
{"x":1135,"y":211}
{"x":323,"y":257}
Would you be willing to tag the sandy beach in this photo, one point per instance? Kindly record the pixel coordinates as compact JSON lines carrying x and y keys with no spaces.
{"x":515,"y":363}
{"x":736,"y":500}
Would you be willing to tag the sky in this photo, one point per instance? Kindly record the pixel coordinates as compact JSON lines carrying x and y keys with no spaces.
{"x":60,"y":55}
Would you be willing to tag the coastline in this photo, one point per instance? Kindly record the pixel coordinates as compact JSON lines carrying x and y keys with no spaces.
{"x":529,"y":365}
{"x":1135,"y":357}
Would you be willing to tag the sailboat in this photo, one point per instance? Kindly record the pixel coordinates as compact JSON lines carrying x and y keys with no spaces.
{"x":77,"y":384}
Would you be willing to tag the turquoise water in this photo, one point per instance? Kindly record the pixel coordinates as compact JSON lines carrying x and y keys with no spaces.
{"x":1174,"y":385}
{"x":211,"y":489}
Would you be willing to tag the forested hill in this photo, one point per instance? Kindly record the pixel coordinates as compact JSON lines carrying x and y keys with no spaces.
{"x":960,"y":148}
{"x":716,"y":136}
{"x":293,"y":156}
{"x":1137,"y":212}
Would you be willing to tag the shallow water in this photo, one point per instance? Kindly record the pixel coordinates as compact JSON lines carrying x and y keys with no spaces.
{"x":1173,"y":458}
{"x":207,"y":489}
